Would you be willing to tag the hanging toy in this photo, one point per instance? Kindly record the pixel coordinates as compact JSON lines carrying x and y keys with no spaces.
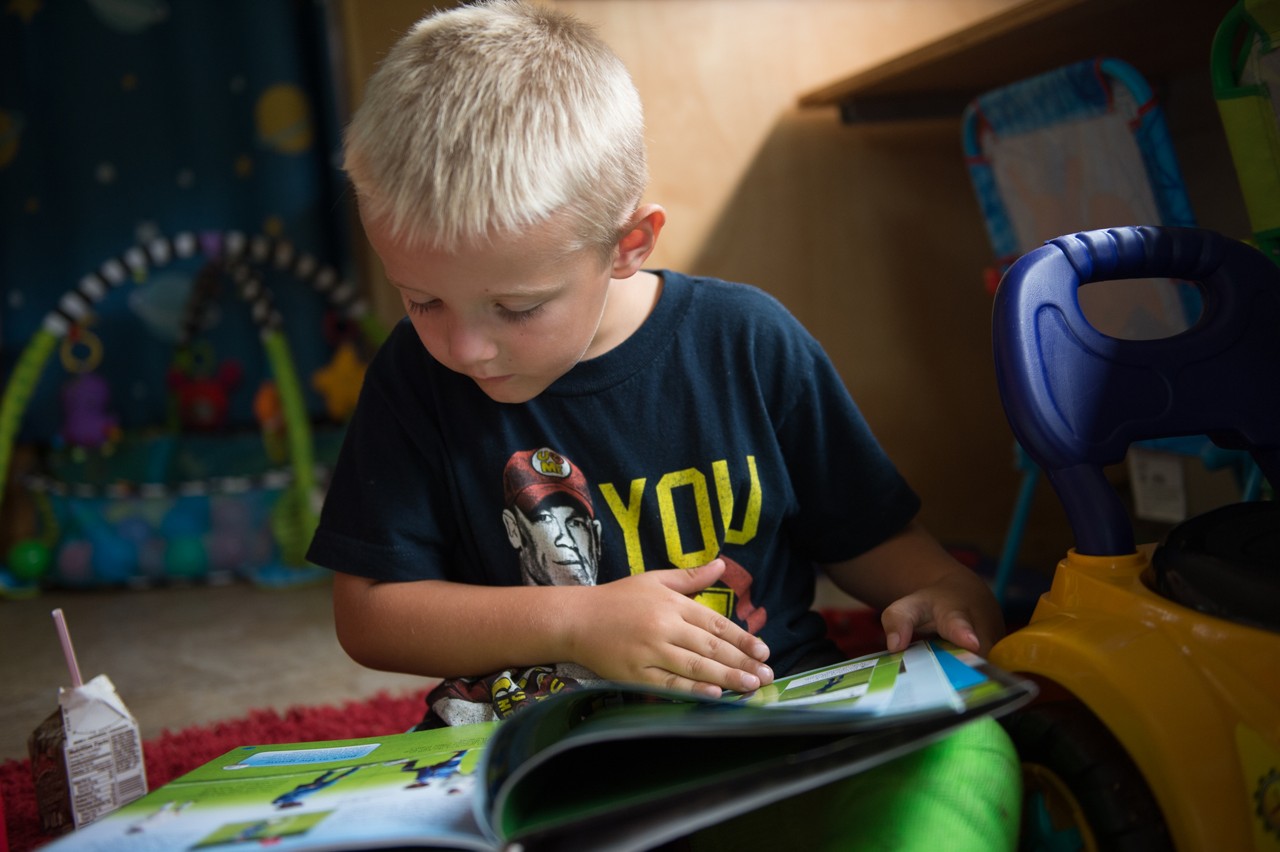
{"x":268,"y":410}
{"x":86,"y":399}
{"x":201,"y":392}
{"x":201,"y":387}
{"x":203,"y":401}
{"x":339,"y":382}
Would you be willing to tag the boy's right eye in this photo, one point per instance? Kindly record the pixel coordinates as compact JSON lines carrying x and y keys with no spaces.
{"x":421,"y":307}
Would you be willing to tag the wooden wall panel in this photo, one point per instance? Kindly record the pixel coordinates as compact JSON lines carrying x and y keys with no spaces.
{"x":717,"y":76}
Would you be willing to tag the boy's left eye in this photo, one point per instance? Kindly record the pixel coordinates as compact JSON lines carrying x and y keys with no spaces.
{"x":521,"y":314}
{"x":420,"y":307}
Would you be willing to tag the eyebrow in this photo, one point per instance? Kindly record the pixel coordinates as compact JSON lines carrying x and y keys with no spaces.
{"x":408,"y":291}
{"x":529,"y":292}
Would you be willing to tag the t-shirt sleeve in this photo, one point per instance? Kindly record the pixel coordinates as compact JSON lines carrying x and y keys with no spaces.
{"x":850,"y":495}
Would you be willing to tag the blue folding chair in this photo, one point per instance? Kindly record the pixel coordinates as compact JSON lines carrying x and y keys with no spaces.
{"x":1084,"y":146}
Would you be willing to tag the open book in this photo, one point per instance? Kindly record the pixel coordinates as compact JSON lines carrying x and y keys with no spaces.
{"x":625,"y":766}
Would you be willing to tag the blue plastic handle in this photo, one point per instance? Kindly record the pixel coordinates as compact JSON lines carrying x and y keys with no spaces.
{"x":1077,"y":398}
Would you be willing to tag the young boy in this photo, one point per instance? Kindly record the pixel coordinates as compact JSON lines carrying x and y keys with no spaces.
{"x":553,"y":428}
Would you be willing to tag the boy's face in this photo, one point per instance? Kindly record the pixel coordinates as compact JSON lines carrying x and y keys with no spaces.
{"x":514,"y":315}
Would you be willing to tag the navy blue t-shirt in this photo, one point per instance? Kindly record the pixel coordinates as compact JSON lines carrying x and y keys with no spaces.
{"x":719,"y":428}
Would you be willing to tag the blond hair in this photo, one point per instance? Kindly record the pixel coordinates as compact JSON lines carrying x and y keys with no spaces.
{"x":493,"y":117}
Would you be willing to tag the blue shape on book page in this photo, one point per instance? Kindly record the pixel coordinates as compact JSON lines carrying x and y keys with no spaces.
{"x":959,"y":666}
{"x":303,"y":756}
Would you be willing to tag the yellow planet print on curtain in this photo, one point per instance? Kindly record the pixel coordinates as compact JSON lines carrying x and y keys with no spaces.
{"x":283,"y":119}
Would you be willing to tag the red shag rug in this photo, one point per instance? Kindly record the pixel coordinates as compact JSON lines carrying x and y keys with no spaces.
{"x":172,"y":754}
{"x":175,"y":753}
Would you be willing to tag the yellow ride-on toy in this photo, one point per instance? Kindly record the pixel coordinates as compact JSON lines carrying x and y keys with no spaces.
{"x":1158,"y":725}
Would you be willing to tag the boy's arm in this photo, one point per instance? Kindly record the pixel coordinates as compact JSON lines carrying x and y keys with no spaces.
{"x":641,"y":629}
{"x":922,"y":588}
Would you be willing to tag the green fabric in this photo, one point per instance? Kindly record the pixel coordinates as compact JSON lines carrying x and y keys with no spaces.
{"x":1251,"y":134}
{"x":1266,"y":17}
{"x":961,"y":794}
{"x":1242,"y":90}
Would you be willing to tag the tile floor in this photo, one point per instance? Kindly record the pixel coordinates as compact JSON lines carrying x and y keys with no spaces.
{"x":179,"y":656}
{"x":185,"y":656}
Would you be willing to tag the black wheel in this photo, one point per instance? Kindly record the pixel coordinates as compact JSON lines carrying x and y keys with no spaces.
{"x":1081,"y":790}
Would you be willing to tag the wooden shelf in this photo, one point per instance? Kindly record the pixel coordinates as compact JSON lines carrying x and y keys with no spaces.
{"x":1158,"y":37}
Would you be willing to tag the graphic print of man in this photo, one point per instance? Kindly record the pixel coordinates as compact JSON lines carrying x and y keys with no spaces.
{"x":550,"y":520}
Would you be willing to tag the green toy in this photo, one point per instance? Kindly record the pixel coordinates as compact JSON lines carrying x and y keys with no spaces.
{"x":1245,"y":68}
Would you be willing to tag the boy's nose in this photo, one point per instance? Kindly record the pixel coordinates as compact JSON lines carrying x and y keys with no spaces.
{"x":469,"y":344}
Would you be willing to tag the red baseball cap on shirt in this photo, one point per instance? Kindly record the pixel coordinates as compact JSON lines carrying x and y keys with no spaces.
{"x":532,"y":475}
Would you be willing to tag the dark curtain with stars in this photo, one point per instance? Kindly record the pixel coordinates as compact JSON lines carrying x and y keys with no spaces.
{"x":124,"y":120}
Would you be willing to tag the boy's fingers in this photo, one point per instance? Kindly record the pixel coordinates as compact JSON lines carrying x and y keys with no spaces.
{"x":734,"y":641}
{"x":689,"y":666}
{"x":900,"y":620}
{"x":689,"y":581}
{"x":736,"y":650}
{"x":725,"y":654}
{"x":958,"y":629}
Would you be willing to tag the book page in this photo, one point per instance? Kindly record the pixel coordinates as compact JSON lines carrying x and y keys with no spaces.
{"x":673,"y":758}
{"x":923,"y":684}
{"x":401,"y":790}
{"x":884,"y":684}
{"x":627,"y":765}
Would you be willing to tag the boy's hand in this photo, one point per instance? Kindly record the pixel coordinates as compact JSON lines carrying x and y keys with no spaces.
{"x":648,"y":629}
{"x":921,"y":588}
{"x":958,"y":608}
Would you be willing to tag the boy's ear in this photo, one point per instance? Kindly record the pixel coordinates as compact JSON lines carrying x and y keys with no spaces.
{"x":638,"y":242}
